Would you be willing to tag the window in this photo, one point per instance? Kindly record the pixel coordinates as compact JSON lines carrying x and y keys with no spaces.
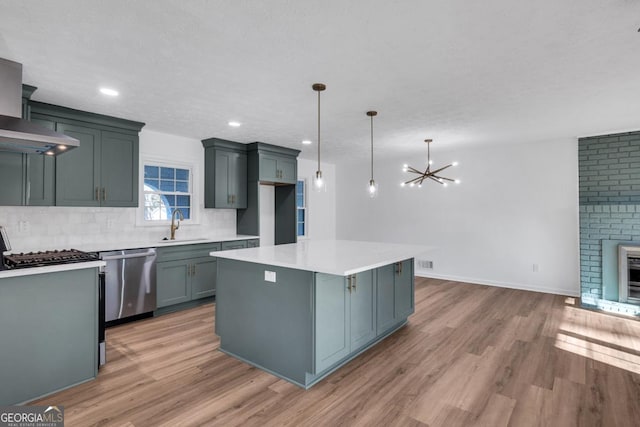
{"x":301,"y":201}
{"x":166,"y":189}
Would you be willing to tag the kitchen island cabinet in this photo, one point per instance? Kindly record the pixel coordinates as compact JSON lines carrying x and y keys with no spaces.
{"x":48,"y":329}
{"x":300,"y":311}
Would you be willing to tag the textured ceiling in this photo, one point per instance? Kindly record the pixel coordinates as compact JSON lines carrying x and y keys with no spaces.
{"x":461,"y":72}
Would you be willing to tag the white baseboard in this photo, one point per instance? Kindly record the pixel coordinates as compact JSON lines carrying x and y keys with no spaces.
{"x":564,"y":292}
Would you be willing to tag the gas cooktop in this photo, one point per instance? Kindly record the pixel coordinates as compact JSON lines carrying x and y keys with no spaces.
{"x":40,"y":259}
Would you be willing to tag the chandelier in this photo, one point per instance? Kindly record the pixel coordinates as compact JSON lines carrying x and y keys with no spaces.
{"x":428,"y":173}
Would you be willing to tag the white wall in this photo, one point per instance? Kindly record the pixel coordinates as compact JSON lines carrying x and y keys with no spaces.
{"x":38,"y":228}
{"x":321,"y":206}
{"x":517,"y":206}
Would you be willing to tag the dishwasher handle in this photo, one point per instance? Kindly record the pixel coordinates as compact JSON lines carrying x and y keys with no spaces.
{"x":116,"y":257}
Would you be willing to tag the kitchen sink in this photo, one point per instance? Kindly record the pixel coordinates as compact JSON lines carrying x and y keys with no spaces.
{"x":186,"y":240}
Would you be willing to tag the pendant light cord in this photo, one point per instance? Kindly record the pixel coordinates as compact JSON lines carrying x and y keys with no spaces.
{"x":372,"y":148}
{"x":318,"y":130}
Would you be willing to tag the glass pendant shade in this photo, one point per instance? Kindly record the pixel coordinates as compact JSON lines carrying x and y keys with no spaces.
{"x":318,"y":182}
{"x":373,"y":189}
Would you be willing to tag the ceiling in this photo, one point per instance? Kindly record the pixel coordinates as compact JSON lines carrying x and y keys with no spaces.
{"x":463,"y":73}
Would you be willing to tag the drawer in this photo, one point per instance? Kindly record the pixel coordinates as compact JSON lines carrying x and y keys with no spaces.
{"x":179,"y":252}
{"x":236,"y":244}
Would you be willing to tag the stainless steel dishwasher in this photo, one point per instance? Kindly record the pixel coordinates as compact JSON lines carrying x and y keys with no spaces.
{"x":130,"y":277}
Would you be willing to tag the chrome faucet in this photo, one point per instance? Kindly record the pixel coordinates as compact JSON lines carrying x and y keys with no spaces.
{"x":175,"y":226}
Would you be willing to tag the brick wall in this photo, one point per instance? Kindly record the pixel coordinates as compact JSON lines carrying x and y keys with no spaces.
{"x":609,"y":169}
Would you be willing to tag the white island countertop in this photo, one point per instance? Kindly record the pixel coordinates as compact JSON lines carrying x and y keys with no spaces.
{"x":339,"y":257}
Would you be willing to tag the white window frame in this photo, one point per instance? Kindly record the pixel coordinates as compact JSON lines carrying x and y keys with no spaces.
{"x":193,"y":181}
{"x":304,"y":207}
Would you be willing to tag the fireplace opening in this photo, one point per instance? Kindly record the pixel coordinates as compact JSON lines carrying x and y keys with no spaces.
{"x":634,"y":278}
{"x":629,"y":274}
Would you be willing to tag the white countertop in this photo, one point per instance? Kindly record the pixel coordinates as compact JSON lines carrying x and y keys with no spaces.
{"x":135,"y":244}
{"x":50,"y":269}
{"x":339,"y":257}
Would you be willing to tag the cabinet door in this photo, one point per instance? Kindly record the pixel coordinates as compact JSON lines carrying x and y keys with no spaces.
{"x":41,"y":187}
{"x":203,"y":277}
{"x":239,"y":179}
{"x":173,"y":282}
{"x":404,"y":289}
{"x":363,"y":305}
{"x":268,"y":168}
{"x":332,"y":320}
{"x":386,"y":306}
{"x":119,"y":169}
{"x":223,"y":185}
{"x":78,"y":171}
{"x":288,"y":170}
{"x":13,"y":179}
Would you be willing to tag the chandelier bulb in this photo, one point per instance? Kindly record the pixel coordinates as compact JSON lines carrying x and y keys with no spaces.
{"x":457,"y":181}
{"x":454,"y":164}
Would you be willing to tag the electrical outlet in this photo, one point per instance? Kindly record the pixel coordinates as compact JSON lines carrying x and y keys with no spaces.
{"x":23,"y":226}
{"x":270,"y":276}
{"x":423,"y":263}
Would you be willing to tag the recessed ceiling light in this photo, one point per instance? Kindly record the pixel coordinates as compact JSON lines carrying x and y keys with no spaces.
{"x":109,"y":92}
{"x":234,"y":124}
{"x":306,"y":142}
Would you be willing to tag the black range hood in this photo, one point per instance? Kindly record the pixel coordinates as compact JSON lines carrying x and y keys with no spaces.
{"x":19,"y":135}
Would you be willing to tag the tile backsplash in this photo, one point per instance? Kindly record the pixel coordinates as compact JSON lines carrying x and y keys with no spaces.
{"x":40,"y":228}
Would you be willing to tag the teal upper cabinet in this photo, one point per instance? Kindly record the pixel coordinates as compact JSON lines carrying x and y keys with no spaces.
{"x":119,"y":169}
{"x":78,"y":171}
{"x":41,"y":175}
{"x":102,"y":171}
{"x":14,"y":167}
{"x":13,"y":179}
{"x":278,"y":169}
{"x":272,"y":164}
{"x":225,"y":182}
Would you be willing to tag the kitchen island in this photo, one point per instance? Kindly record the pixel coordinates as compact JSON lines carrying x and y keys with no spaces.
{"x":48,"y":329}
{"x":302,"y":310}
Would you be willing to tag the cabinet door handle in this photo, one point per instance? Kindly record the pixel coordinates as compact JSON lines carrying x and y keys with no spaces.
{"x":354,"y":283}
{"x":194,"y":269}
{"x":233,"y":199}
{"x":104,"y":193}
{"x":349,"y":283}
{"x":399,"y":268}
{"x":98,"y":193}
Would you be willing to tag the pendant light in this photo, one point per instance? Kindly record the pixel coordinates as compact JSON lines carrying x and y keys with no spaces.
{"x":373,"y":187}
{"x":428,"y":173}
{"x":318,"y":182}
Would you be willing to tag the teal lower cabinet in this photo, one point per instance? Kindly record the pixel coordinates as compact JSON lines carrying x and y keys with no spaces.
{"x":302,"y":325}
{"x":48,"y":333}
{"x":173,"y":282}
{"x":185,"y":273}
{"x":235,"y":244}
{"x":395,"y":294}
{"x":203,"y":277}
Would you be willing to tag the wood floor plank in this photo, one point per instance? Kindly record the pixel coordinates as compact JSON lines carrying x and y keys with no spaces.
{"x":471,"y":355}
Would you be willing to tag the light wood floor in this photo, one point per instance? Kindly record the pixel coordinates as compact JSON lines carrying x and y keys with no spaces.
{"x":470,"y":355}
